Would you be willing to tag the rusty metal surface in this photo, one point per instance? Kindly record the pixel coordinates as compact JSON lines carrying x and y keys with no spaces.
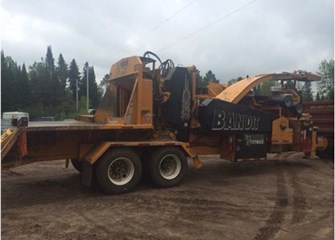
{"x":322,"y":114}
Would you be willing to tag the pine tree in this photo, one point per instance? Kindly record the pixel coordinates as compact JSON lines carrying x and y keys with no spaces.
{"x":200,"y":81}
{"x":104,"y":82}
{"x":6,"y":85}
{"x":83,"y":81}
{"x":306,"y":92}
{"x":52,"y":91}
{"x":326,"y":85}
{"x":94,"y":96}
{"x":11,"y":88}
{"x":50,"y":61}
{"x":74,"y":78}
{"x":62,"y":72}
{"x":234,"y":80}
{"x":45,"y":87}
{"x":24,"y":89}
{"x":38,"y":75}
{"x":210,"y":78}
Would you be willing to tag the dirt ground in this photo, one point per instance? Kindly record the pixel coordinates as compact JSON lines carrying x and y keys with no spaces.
{"x":290,"y":198}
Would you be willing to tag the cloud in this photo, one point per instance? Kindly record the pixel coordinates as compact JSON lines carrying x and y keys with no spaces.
{"x":266,"y":36}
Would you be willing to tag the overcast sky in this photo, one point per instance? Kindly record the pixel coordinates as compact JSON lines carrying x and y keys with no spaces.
{"x":231,"y":37}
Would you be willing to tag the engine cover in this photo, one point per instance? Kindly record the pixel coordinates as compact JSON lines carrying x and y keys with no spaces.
{"x":218,"y":115}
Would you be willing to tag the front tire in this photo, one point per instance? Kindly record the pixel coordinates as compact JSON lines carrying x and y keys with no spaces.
{"x":119,"y":171}
{"x":167,"y":167}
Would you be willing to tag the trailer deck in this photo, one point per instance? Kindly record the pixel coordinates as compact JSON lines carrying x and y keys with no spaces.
{"x":78,"y":125}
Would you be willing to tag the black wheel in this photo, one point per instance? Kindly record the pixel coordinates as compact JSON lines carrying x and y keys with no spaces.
{"x":167,"y":166}
{"x":288,"y":101}
{"x":78,"y":165}
{"x":118,"y":171}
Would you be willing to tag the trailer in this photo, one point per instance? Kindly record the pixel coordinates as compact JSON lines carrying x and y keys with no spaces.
{"x":322,"y":113}
{"x":152,"y":118}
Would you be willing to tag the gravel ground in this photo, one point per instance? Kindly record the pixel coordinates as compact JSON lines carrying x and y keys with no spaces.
{"x":286,"y":197}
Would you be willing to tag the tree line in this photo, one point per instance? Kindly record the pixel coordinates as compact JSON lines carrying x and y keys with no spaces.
{"x":47,"y":88}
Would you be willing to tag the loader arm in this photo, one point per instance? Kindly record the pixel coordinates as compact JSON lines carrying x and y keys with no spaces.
{"x":240,"y":89}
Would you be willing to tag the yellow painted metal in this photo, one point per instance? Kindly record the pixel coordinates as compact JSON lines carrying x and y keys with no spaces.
{"x":234,"y":93}
{"x":321,"y":144}
{"x":318,"y":143}
{"x":281,"y":132}
{"x":238,"y":90}
{"x":6,"y":135}
{"x":131,"y":91}
{"x":145,"y":113}
{"x":215,"y":88}
{"x":125,"y":67}
{"x":130,"y":115}
{"x":314,"y":145}
{"x":8,"y":140}
{"x":197,"y":163}
{"x":96,"y":151}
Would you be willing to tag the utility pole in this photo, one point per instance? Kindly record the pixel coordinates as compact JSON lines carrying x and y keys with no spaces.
{"x":87,"y":89}
{"x":77,"y":94}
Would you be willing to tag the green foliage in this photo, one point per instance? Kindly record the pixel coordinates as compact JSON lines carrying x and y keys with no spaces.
{"x":326,"y":85}
{"x":62,"y":72}
{"x":83,"y":105}
{"x":200,"y":81}
{"x":14,"y":85}
{"x":306,"y":92}
{"x":49,"y":60}
{"x":94,"y":96}
{"x":289,"y":84}
{"x":317,"y":98}
{"x":234,"y":80}
{"x":94,"y":93}
{"x":104,"y":82}
{"x":74,"y":78}
{"x":46,"y":89}
{"x":103,"y":85}
{"x":210,"y":78}
{"x":7,"y":86}
{"x":24,"y":88}
{"x":264,"y":89}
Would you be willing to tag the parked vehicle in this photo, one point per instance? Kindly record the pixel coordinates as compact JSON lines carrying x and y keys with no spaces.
{"x":151,"y":119}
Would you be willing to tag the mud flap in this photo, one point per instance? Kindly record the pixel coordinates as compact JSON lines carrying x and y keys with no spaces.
{"x":87,"y":174}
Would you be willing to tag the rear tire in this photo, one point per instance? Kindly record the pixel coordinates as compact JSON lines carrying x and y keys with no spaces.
{"x":118,"y":171}
{"x":167,"y":167}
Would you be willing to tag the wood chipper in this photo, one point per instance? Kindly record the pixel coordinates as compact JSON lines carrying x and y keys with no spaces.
{"x":153,"y":116}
